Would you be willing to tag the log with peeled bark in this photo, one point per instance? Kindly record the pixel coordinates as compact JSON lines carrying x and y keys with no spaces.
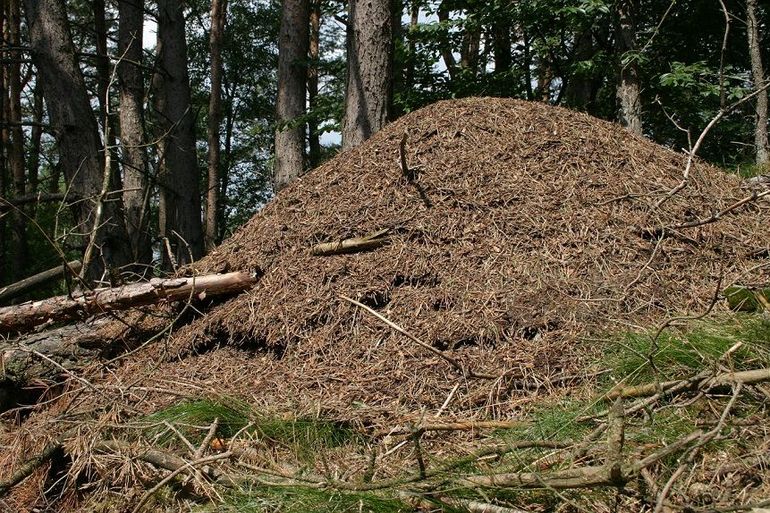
{"x":22,"y":317}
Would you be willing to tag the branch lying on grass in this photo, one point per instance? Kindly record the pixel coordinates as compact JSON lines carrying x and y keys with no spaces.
{"x":584,"y":477}
{"x":468,"y":425}
{"x":353,"y":245}
{"x":699,"y":382}
{"x":454,"y":363}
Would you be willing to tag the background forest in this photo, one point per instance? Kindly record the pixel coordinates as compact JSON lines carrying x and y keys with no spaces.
{"x":207,"y":108}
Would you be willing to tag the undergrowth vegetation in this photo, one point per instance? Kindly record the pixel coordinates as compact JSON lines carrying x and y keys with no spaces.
{"x":309,"y":474}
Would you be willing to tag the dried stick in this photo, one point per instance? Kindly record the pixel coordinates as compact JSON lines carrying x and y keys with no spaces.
{"x":352,"y":245}
{"x":454,"y":363}
{"x":467,"y":425}
{"x":28,"y":467}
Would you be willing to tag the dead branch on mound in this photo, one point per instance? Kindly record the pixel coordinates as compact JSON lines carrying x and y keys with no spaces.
{"x":353,"y":245}
{"x":67,"y":308}
{"x":467,"y":372}
{"x":15,"y":289}
{"x":669,"y":230}
{"x":699,"y":142}
{"x":28,"y":467}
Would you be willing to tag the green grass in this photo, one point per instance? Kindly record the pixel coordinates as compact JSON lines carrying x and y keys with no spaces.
{"x":636,"y":358}
{"x":299,"y":499}
{"x":304,"y":437}
{"x":190,"y":416}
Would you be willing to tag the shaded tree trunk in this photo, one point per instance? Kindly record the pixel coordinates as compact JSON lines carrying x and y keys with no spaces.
{"x":16,"y":146}
{"x":293,"y":49}
{"x":76,"y":132}
{"x":580,"y":91}
{"x":370,"y":70}
{"x":630,"y":111}
{"x":131,"y":90}
{"x":36,"y":135}
{"x":314,"y":141}
{"x":446,"y":44}
{"x":501,"y":45}
{"x":180,"y":203}
{"x":218,"y":15}
{"x":758,"y":75}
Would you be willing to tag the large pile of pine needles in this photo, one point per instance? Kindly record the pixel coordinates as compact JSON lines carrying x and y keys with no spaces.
{"x":509,"y":235}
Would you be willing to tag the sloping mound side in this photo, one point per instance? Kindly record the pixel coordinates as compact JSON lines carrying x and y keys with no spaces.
{"x":524,"y":230}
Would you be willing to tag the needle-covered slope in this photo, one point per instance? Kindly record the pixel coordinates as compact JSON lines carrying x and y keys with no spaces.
{"x":525,"y":228}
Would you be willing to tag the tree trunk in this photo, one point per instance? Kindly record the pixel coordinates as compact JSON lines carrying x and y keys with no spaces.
{"x":446,"y":43}
{"x":293,"y":48}
{"x":16,"y":146}
{"x":411,"y":62}
{"x":33,"y":162}
{"x":630,"y":112}
{"x":67,"y":308}
{"x":218,"y":15}
{"x":131,"y":91}
{"x":75,"y":129}
{"x":758,"y":75}
{"x":370,"y":64}
{"x":180,"y":203}
{"x":314,"y":141}
{"x":580,"y":91}
{"x":502,"y":45}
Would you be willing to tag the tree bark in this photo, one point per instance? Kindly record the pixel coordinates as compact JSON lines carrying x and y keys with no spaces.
{"x":292,"y":74}
{"x":757,"y":71}
{"x":16,"y":146}
{"x":370,"y":66}
{"x":218,"y":15}
{"x":630,"y":112}
{"x":180,"y":202}
{"x":314,"y":141}
{"x":33,"y":162}
{"x":75,"y":129}
{"x":131,"y":94}
{"x":68,"y":308}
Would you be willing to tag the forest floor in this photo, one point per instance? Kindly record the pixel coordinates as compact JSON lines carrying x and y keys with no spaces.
{"x":491,"y":306}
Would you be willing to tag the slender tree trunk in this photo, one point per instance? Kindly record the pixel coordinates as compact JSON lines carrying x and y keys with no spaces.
{"x":411,"y":62}
{"x":469,"y":52}
{"x":180,"y":202}
{"x":292,"y":75}
{"x":226,"y":164}
{"x":76,"y":132}
{"x":33,"y":162}
{"x":16,"y":147}
{"x":4,"y":275}
{"x":446,"y":44}
{"x":370,"y":66}
{"x":758,"y":75}
{"x":314,"y":141}
{"x":580,"y":91}
{"x":218,"y":15}
{"x":630,"y":112}
{"x":502,"y":45}
{"x":132,"y":139}
{"x":527,"y":66}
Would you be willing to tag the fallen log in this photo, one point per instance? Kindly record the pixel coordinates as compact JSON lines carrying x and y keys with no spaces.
{"x":15,"y":289}
{"x":22,"y":317}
